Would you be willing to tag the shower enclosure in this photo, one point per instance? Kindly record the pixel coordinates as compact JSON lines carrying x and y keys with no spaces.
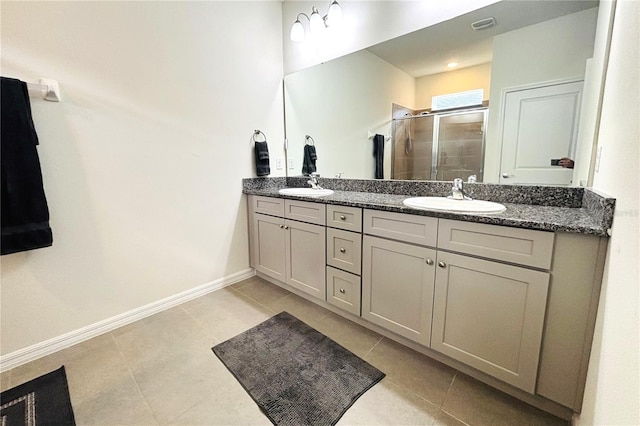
{"x":438,"y":146}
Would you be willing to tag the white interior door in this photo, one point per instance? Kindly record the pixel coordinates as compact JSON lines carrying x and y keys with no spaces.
{"x":540,"y":124}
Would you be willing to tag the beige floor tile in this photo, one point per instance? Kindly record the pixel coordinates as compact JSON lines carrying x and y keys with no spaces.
{"x":243,"y":283}
{"x":300,"y":308}
{"x":478,"y":404}
{"x":418,"y":373}
{"x":226,"y":313}
{"x":161,"y":335}
{"x":388,"y":403}
{"x":119,"y":404}
{"x":352,"y":336}
{"x":262,"y":291}
{"x":227,"y":404}
{"x":445,"y":419}
{"x":178,"y":381}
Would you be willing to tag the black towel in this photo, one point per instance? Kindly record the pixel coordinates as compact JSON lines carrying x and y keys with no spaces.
{"x":25,"y":214}
{"x":262,"y":158}
{"x":309,"y":160}
{"x":378,"y":153}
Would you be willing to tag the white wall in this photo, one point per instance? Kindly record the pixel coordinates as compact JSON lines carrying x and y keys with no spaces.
{"x":552,"y":50}
{"x":612,"y":395}
{"x":366,"y":23}
{"x":315,"y":105}
{"x":143,"y":159}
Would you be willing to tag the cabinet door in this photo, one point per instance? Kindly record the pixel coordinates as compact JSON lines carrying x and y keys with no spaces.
{"x":305,"y":257}
{"x":397,"y":287}
{"x":269,"y":245}
{"x":490,"y":316}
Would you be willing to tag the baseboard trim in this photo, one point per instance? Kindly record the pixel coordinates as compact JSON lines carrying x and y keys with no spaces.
{"x":47,"y":347}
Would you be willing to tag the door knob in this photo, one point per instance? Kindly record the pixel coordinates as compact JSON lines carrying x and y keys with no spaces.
{"x":442,"y":264}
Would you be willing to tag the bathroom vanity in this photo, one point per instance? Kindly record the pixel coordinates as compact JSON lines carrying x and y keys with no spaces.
{"x":508,"y":298}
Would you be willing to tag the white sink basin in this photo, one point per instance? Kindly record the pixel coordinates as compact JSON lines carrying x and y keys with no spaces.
{"x":306,"y":192}
{"x":449,"y":204}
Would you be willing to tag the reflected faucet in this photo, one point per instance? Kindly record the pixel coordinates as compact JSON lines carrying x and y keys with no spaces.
{"x":457,"y":191}
{"x":313,"y":180}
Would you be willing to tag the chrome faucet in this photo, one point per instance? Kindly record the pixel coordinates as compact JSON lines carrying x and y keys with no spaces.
{"x":313,"y":180}
{"x":457,"y":191}
{"x":472,"y":179}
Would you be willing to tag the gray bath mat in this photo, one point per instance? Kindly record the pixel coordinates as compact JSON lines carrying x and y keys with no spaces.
{"x":296,"y":375}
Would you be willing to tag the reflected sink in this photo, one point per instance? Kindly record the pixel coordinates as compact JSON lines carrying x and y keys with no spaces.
{"x":306,"y":192}
{"x":449,"y":204}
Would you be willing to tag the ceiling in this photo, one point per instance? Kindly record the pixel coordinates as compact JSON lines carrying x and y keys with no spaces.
{"x":428,"y":51}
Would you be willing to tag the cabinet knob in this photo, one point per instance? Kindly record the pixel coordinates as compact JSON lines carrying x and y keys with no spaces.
{"x":429,"y":262}
{"x":442,"y":264}
{"x":281,"y":226}
{"x":505,"y":175}
{"x":343,"y":217}
{"x":342,"y":250}
{"x":286,"y":227}
{"x":342,"y":290}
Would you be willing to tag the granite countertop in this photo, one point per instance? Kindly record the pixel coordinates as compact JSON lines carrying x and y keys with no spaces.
{"x":584,"y":212}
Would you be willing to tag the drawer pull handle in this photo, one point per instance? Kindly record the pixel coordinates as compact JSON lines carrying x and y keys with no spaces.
{"x":429,"y":262}
{"x":442,"y":264}
{"x":342,"y":250}
{"x":343,"y":217}
{"x":342,"y":290}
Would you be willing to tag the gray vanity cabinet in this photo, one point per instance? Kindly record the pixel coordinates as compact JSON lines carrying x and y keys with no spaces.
{"x":397,"y":287}
{"x":288,"y":250}
{"x":490,"y":316}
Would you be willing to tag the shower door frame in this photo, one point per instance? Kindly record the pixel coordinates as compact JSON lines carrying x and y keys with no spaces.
{"x":436,"y":135}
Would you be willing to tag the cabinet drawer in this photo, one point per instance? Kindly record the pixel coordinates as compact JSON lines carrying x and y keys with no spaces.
{"x":347,"y":218}
{"x":343,"y":290}
{"x":305,"y":211}
{"x":404,"y":227}
{"x":522,"y":246}
{"x":267,"y":205}
{"x":344,"y":250}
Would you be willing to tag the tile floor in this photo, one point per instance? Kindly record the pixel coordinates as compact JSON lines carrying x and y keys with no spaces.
{"x":161,"y":370}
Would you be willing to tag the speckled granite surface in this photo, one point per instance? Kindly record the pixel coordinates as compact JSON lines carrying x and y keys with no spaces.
{"x":546,"y":208}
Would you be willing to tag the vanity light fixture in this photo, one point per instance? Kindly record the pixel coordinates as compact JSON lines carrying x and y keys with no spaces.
{"x":317,"y":23}
{"x":452,"y":65}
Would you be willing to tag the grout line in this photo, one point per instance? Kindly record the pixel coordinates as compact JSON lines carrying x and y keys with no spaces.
{"x":126,"y":362}
{"x":451,"y":415}
{"x":374,"y":346}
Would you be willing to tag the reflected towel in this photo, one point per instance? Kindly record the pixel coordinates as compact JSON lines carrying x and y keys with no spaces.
{"x":309,"y":160}
{"x":25,"y":214}
{"x":378,"y":153}
{"x":262,"y":159}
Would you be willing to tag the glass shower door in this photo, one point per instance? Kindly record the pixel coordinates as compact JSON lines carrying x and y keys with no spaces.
{"x":458,"y":151}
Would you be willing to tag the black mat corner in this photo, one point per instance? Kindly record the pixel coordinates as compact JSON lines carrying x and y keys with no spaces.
{"x":42,"y":401}
{"x":296,"y":374}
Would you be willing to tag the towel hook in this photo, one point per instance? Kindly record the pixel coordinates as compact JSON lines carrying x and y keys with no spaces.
{"x":256,"y":133}
{"x":308,"y":138}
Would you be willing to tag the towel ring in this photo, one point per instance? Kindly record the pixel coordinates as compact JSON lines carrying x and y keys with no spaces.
{"x":308,"y":138}
{"x":256,"y":133}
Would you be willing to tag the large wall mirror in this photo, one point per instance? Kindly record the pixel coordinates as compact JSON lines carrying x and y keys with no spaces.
{"x":534,"y":67}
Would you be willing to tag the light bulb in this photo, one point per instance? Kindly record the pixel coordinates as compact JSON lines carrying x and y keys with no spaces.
{"x":334,"y":17}
{"x":316,"y":23}
{"x":297,"y":32}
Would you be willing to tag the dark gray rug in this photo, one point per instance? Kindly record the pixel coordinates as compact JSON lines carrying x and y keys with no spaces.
{"x":296,"y":375}
{"x":38,"y":402}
